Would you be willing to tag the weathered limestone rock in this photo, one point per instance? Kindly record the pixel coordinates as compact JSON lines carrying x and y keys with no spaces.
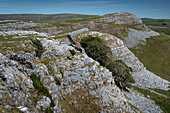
{"x":49,"y":54}
{"x":121,"y":18}
{"x":74,"y":33}
{"x":24,"y":59}
{"x":142,"y":103}
{"x":135,"y":37}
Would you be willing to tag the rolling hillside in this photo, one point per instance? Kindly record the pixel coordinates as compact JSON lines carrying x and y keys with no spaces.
{"x":43,"y":17}
{"x":159,"y":25}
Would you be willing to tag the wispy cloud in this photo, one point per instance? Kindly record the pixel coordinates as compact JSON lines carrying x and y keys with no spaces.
{"x":95,"y":2}
{"x":156,"y":9}
{"x":119,"y":5}
{"x":2,"y":4}
{"x":46,"y":9}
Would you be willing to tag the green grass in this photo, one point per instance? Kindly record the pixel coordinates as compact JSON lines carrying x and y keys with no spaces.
{"x":57,"y":81}
{"x":159,"y":25}
{"x":82,"y":19}
{"x":49,"y":63}
{"x":39,"y":86}
{"x":72,"y":52}
{"x":163,"y":102}
{"x":43,"y":17}
{"x":155,"y":55}
{"x":156,"y":22}
{"x":38,"y":45}
{"x":166,"y":93}
{"x":97,"y":49}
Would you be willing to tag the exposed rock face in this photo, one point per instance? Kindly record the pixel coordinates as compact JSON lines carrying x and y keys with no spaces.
{"x":15,"y":87}
{"x":93,"y":76}
{"x":147,"y":79}
{"x":143,"y":77}
{"x":17,"y":25}
{"x":121,"y":18}
{"x":49,"y":54}
{"x":144,"y":104}
{"x":74,"y":33}
{"x":24,"y":59}
{"x":90,"y":78}
{"x":135,"y":37}
{"x":22,"y":32}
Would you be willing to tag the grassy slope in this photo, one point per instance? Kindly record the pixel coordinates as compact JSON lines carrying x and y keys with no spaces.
{"x":43,"y":17}
{"x":155,"y":55}
{"x":159,"y":25}
{"x":163,"y":102}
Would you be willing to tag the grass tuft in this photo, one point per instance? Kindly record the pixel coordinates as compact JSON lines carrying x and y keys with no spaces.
{"x":39,"y":47}
{"x":39,"y":86}
{"x":72,"y":52}
{"x":96,"y":48}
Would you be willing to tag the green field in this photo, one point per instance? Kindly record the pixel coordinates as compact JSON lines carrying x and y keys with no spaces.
{"x":159,"y":25}
{"x":155,"y":55}
{"x":43,"y":17}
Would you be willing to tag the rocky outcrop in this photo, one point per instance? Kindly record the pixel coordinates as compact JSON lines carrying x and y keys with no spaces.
{"x":48,"y":54}
{"x":22,"y":32}
{"x":135,"y":37}
{"x":79,"y":73}
{"x":85,"y":77}
{"x":24,"y":59}
{"x":121,"y":18}
{"x":143,"y":77}
{"x":15,"y":87}
{"x":14,"y":25}
{"x":74,"y":33}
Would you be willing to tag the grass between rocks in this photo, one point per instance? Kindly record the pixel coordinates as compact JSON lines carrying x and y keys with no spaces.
{"x":39,"y":86}
{"x":166,"y":93}
{"x":16,"y":43}
{"x":72,"y":52}
{"x":163,"y":102}
{"x":7,"y":110}
{"x":155,"y":55}
{"x":85,"y":102}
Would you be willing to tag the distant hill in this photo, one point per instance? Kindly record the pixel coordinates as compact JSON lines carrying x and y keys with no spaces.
{"x":43,"y":17}
{"x":159,"y":25}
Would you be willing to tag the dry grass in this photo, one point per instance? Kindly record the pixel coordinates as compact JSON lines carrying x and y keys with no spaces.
{"x":87,"y":104}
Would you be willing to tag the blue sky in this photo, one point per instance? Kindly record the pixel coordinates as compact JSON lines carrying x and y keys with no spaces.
{"x":141,"y":8}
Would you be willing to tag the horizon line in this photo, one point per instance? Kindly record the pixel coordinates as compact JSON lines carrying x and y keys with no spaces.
{"x":71,"y":13}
